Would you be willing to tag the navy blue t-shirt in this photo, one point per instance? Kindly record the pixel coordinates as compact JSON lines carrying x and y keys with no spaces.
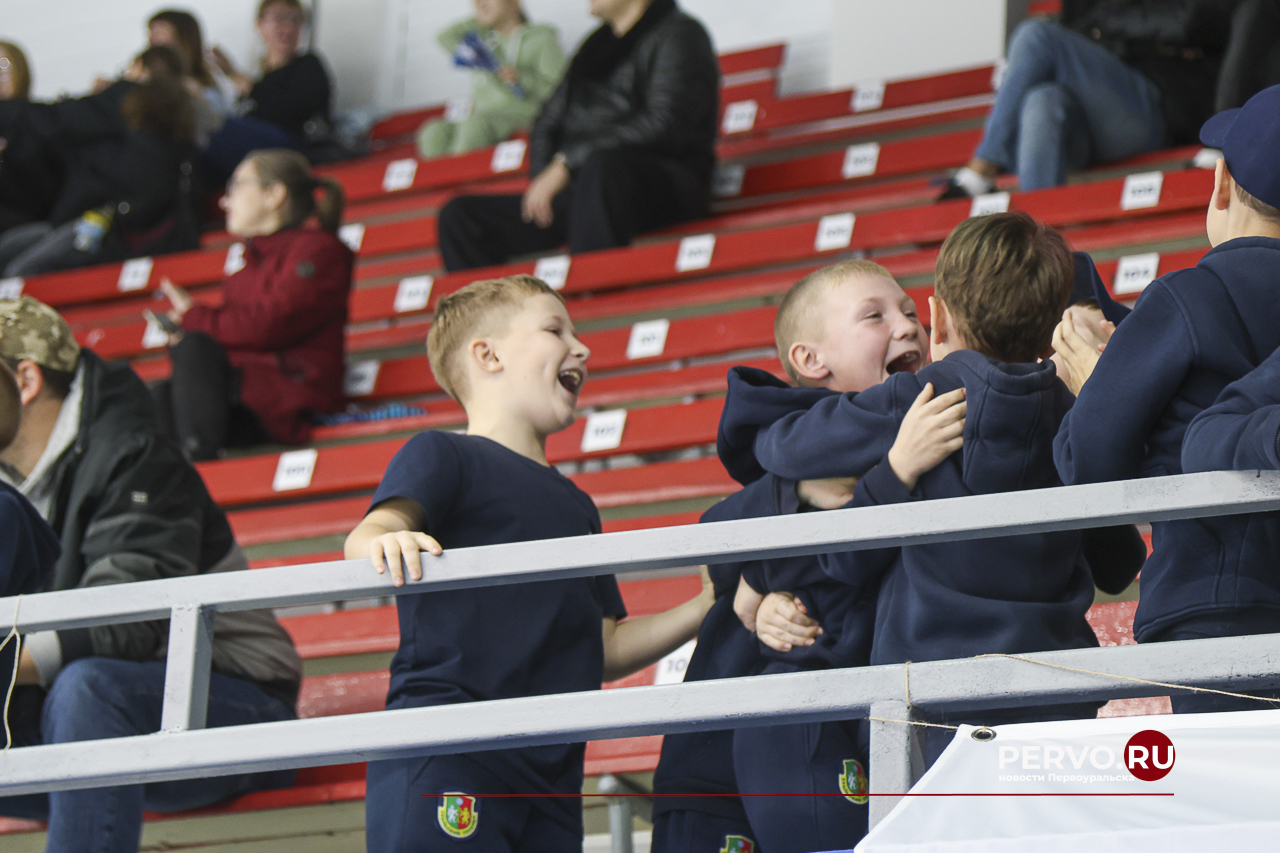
{"x":499,"y":642}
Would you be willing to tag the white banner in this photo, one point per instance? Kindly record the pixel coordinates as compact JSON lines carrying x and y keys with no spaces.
{"x":1192,"y":782}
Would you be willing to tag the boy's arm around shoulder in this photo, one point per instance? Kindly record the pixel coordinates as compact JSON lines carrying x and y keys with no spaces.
{"x":632,"y":645}
{"x":838,"y":436}
{"x":1241,"y":431}
{"x":1104,"y":435}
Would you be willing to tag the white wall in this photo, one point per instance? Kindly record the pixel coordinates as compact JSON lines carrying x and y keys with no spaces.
{"x":384,"y":55}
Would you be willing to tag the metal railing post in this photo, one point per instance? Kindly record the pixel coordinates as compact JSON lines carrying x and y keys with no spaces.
{"x":897,"y":756}
{"x":622,"y":810}
{"x":186,"y":674}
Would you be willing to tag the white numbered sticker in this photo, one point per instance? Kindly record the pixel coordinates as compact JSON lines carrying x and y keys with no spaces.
{"x":456,"y":109}
{"x":989,"y":203}
{"x":1141,"y":190}
{"x":399,"y":175}
{"x":671,"y":669}
{"x":134,"y":274}
{"x":860,"y":160}
{"x":153,"y":336}
{"x":739,"y":116}
{"x":1135,"y":272}
{"x":604,"y":430}
{"x":413,"y":293}
{"x":648,"y":339}
{"x":352,"y":235}
{"x":834,"y":232}
{"x":553,"y":270}
{"x":294,"y":470}
{"x":235,"y":259}
{"x":361,"y":378}
{"x":508,"y":155}
{"x":867,"y":96}
{"x":695,"y":252}
{"x":727,"y":182}
{"x":10,"y":288}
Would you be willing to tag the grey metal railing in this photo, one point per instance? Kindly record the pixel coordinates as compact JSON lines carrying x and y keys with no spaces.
{"x":183,"y":749}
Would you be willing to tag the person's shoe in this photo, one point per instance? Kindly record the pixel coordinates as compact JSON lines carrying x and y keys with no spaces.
{"x":952,"y":190}
{"x":967,"y":183}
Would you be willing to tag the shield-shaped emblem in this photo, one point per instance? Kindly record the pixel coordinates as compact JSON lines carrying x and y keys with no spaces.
{"x":853,"y":782}
{"x":737,"y":844}
{"x":458,"y":815}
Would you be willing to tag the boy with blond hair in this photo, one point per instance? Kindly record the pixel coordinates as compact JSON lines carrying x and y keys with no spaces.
{"x":507,"y":351}
{"x":1192,"y":333}
{"x":1001,"y":283}
{"x":844,"y":327}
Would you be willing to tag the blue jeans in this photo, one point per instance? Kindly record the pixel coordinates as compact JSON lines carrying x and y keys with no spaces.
{"x":1064,"y":103}
{"x":95,"y":698}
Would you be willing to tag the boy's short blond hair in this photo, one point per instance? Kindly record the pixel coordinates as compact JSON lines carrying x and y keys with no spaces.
{"x":481,"y":308}
{"x":798,"y":312}
{"x":1006,"y":279}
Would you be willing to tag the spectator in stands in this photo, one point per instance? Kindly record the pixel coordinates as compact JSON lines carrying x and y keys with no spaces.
{"x":126,"y":187}
{"x":842,"y":328}
{"x":28,"y":172}
{"x":181,"y":31}
{"x":515,"y":66}
{"x":506,"y":350}
{"x":28,"y":548}
{"x":1192,"y":333}
{"x":289,"y":99}
{"x":1001,"y":284}
{"x":126,"y":507}
{"x":259,"y":366}
{"x":1114,"y":79}
{"x":625,"y":145}
{"x":1252,"y":61}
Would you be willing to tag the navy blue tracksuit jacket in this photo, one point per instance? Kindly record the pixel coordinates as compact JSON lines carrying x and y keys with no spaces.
{"x":1192,"y":333}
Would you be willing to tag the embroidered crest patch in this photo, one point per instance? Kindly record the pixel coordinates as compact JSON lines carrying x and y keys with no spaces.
{"x":853,"y":782}
{"x":458,"y":814}
{"x":737,"y":844}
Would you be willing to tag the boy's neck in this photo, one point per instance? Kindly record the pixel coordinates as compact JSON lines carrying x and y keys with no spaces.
{"x":512,"y":433}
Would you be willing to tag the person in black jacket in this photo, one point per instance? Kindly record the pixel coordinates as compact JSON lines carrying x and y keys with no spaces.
{"x":125,"y":507}
{"x":1116,"y":78}
{"x":626,"y":144}
{"x":126,"y":155}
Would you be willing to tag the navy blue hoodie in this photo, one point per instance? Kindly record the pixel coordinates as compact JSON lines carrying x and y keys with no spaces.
{"x":954,"y":599}
{"x":28,"y":551}
{"x":701,"y":762}
{"x":1192,"y":333}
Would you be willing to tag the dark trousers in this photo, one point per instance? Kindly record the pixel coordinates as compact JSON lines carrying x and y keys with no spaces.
{"x":199,"y":405}
{"x":683,"y":831}
{"x":94,"y":698}
{"x":1252,"y":62}
{"x":613,"y":197}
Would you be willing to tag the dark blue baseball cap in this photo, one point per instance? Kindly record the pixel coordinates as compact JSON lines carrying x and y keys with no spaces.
{"x":1250,"y":138}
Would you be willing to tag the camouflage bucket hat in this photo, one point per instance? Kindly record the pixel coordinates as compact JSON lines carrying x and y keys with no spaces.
{"x":31,"y":330}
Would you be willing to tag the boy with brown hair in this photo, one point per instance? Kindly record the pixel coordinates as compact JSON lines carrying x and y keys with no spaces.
{"x":1002,"y":283}
{"x":507,"y":351}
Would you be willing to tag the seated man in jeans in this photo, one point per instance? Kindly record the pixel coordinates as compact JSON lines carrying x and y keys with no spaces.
{"x":1115,"y":79}
{"x":626,"y":144}
{"x":125,"y":506}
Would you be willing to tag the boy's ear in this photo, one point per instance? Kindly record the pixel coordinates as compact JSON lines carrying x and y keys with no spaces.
{"x":1222,"y":185}
{"x":939,"y":321}
{"x":807,"y":362}
{"x":482,"y":354}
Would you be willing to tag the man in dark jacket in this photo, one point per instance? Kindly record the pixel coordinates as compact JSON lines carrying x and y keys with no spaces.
{"x":626,"y":144}
{"x":1116,"y":78}
{"x":126,"y":507}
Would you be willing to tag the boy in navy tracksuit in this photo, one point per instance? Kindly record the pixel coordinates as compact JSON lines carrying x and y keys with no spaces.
{"x":1001,"y":283}
{"x":845,"y":327}
{"x":507,"y":351}
{"x":1191,"y":334}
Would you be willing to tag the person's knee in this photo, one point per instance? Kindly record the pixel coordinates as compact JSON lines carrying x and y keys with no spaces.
{"x":435,"y":138}
{"x":1045,"y":105}
{"x":85,"y":702}
{"x":194,"y":348}
{"x":1033,"y":33}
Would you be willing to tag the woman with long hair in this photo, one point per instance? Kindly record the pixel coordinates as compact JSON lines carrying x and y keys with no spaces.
{"x":261,"y":365}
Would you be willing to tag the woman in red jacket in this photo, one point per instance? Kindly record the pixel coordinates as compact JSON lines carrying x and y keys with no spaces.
{"x":257,"y":367}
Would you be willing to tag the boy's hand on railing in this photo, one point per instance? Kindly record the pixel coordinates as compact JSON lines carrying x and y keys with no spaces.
{"x":783,"y":622}
{"x":745,"y":603}
{"x":390,"y":549}
{"x":932,"y":430}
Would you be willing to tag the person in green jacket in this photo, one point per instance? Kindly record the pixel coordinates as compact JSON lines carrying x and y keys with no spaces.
{"x":503,"y":100}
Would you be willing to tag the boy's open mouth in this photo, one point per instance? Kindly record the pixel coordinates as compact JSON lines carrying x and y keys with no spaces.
{"x":572,"y":380}
{"x":908,"y":361}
